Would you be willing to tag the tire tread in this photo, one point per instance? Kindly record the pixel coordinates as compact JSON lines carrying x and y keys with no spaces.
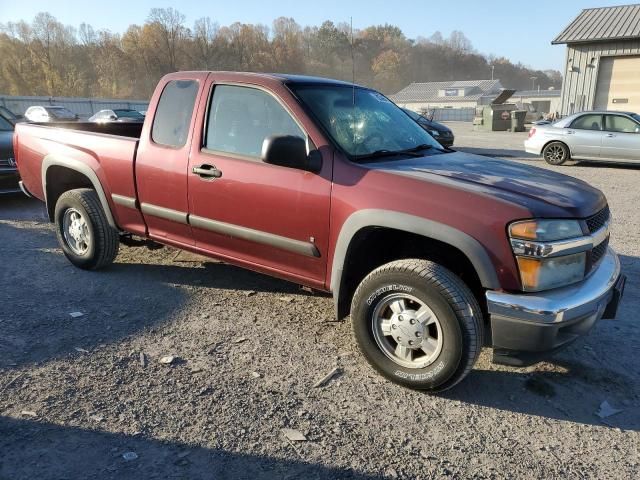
{"x":453,"y":289}
{"x":107,"y":240}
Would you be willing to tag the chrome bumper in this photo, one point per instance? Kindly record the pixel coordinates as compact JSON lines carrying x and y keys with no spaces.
{"x":24,"y":189}
{"x":544,"y":321}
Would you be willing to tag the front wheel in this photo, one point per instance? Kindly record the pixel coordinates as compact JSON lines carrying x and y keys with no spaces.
{"x":555,"y":153}
{"x":417,"y":324}
{"x":83,"y":231}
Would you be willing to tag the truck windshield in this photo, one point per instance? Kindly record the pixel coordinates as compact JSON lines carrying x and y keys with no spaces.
{"x":363,"y":122}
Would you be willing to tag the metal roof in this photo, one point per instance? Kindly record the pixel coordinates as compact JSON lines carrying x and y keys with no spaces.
{"x":601,"y":24}
{"x":537,"y":93}
{"x":428,"y":91}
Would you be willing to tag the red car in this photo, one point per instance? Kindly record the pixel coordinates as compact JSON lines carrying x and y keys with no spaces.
{"x":434,"y":253}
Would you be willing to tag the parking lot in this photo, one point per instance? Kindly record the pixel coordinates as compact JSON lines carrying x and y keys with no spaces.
{"x":83,"y":393}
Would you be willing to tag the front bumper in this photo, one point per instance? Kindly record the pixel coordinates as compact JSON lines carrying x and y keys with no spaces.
{"x":528,"y":326}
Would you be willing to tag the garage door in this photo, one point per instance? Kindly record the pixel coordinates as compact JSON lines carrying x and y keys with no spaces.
{"x":618,"y":85}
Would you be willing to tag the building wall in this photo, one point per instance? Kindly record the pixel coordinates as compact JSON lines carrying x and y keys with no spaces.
{"x":554,"y":101}
{"x":581,"y":71}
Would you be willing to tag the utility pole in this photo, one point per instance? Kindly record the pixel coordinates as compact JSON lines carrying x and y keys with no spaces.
{"x":492,"y":68}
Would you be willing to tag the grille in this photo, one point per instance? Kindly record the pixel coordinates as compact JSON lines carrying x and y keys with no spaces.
{"x":5,"y":163}
{"x":598,"y":251}
{"x":595,"y":222}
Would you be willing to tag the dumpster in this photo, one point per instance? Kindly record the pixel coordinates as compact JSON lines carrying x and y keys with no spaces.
{"x":496,"y":116}
{"x":517,"y":120}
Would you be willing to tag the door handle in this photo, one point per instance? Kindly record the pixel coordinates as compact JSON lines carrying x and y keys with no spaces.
{"x":610,"y":135}
{"x":206,"y":171}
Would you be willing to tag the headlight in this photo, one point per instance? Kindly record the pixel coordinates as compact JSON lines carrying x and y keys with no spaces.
{"x":435,"y":133}
{"x":549,"y":253}
{"x":545,"y":230}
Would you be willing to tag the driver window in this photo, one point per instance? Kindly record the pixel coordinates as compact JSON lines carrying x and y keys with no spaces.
{"x":617,"y":123}
{"x":240,"y":118}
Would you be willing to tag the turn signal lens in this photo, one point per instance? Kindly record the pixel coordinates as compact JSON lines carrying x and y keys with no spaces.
{"x":524,"y":230}
{"x":529,"y":272}
{"x":542,"y":274}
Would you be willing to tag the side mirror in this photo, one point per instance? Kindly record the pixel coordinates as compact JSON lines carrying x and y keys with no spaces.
{"x":290,"y":151}
{"x":112,"y":117}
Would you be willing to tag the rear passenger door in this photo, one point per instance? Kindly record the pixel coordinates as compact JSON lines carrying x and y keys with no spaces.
{"x":584,"y":136}
{"x":266,"y":217}
{"x":163,"y":157}
{"x":621,"y":139}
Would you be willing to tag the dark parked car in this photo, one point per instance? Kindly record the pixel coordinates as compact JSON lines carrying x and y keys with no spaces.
{"x":51,"y":113}
{"x":8,"y":170}
{"x":441,"y":133}
{"x":117,"y":115}
{"x":9,"y":115}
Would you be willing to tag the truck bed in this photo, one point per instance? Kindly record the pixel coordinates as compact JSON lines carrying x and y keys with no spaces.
{"x":122,"y":129}
{"x":108,"y":149}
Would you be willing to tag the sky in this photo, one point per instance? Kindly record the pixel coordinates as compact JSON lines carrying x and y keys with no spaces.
{"x":519,"y":30}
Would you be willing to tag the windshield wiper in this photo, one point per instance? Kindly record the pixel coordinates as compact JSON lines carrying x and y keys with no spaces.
{"x":412,"y":152}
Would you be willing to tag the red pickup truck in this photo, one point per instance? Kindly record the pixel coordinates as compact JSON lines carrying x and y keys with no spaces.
{"x":434,"y":253}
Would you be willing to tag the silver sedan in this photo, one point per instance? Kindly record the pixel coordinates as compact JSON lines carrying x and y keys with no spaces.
{"x":602,"y":136}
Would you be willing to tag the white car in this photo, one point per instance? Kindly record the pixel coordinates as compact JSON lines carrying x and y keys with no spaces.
{"x":49,"y":113}
{"x":601,"y":136}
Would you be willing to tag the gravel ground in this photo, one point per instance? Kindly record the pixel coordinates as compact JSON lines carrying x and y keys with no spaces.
{"x":76,"y":397}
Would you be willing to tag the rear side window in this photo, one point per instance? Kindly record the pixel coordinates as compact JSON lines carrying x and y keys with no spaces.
{"x":173,"y":115}
{"x":240,"y":118}
{"x":588,"y":122}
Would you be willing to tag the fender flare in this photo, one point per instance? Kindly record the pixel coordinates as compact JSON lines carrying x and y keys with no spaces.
{"x":468,"y":245}
{"x":84,"y":169}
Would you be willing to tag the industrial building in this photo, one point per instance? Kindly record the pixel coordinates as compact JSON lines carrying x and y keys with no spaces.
{"x":602,"y":68}
{"x":457,"y":99}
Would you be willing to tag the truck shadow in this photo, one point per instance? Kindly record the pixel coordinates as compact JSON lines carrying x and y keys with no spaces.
{"x":34,"y":449}
{"x":559,"y":389}
{"x":51,"y":308}
{"x":571,"y":385}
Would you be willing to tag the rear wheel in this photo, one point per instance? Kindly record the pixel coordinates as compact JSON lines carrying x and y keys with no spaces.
{"x":83,"y":231}
{"x":555,"y":153}
{"x":417,"y":324}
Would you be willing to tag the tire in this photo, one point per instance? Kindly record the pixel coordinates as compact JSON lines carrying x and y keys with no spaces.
{"x":83,"y":232}
{"x":450,"y":348}
{"x":555,"y":153}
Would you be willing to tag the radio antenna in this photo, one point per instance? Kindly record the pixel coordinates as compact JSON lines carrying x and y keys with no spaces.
{"x":353,"y":86}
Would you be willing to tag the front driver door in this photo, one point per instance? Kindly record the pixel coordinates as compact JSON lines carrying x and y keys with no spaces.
{"x":621,"y":138}
{"x":267,"y":217}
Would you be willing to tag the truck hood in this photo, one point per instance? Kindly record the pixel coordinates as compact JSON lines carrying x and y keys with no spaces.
{"x":544,"y":192}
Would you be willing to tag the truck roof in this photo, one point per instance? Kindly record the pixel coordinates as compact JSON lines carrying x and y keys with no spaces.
{"x":281,"y":77}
